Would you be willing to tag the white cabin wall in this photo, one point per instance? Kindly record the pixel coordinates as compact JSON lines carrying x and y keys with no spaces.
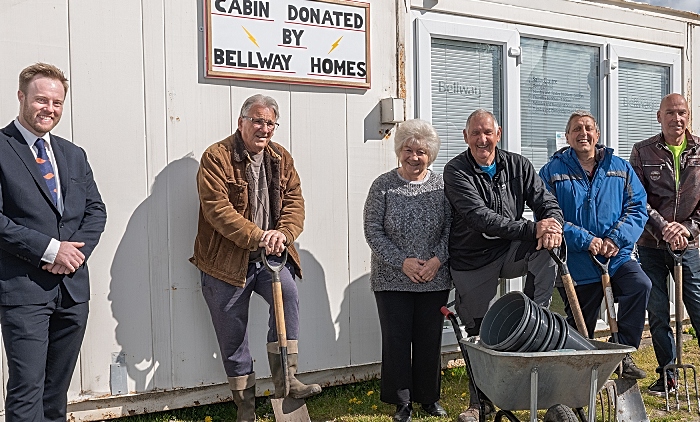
{"x":140,"y":107}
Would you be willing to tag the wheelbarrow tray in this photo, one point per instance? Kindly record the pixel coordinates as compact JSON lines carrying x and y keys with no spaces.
{"x":563,"y":377}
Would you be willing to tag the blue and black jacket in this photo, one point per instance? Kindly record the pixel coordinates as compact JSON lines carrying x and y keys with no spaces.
{"x":611,"y":204}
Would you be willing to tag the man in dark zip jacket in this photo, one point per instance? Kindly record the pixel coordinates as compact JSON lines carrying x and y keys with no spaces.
{"x":488,"y":189}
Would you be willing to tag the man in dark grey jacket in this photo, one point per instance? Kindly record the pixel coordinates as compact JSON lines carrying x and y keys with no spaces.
{"x":488,"y":189}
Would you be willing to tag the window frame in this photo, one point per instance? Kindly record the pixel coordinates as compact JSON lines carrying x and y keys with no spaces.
{"x":509,"y":39}
{"x":650,"y":54}
{"x":427,"y":25}
{"x":459,"y":28}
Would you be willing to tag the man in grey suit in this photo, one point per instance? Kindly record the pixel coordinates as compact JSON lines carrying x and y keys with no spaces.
{"x":51,"y":218}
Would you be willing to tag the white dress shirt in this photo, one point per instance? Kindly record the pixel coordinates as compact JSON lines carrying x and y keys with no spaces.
{"x":52,"y":250}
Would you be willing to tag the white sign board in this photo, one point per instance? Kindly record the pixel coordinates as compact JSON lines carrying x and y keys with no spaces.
{"x":319,"y":42}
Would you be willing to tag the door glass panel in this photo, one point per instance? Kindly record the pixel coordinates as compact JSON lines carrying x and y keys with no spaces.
{"x":556,"y":78}
{"x":465,"y":76}
{"x":641,"y":88}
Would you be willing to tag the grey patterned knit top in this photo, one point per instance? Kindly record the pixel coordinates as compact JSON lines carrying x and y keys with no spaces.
{"x":407,"y":220}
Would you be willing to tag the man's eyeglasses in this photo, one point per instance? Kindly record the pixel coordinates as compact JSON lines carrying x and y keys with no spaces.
{"x":262,"y":122}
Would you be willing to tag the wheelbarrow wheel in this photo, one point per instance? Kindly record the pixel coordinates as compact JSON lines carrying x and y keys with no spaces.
{"x":560,"y":413}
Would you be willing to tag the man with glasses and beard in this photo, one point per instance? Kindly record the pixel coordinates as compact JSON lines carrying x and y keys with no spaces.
{"x":250,"y":204}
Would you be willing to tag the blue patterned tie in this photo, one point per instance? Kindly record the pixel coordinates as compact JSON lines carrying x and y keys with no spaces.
{"x":42,"y":159}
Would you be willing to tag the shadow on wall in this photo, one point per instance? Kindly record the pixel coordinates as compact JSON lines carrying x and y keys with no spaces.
{"x":164,"y":332}
{"x":352,"y":337}
{"x":363,"y":334}
{"x":318,"y":348}
{"x":141,"y":283}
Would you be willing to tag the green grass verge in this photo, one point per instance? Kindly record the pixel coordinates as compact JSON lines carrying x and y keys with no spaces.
{"x":360,"y":402}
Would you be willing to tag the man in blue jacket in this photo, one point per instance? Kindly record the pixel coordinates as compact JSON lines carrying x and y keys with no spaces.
{"x":604,"y":206}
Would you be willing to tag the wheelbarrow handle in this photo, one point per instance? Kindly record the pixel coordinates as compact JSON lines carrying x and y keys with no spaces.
{"x":458,"y":333}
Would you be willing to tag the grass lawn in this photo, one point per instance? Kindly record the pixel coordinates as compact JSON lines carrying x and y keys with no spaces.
{"x":360,"y":402}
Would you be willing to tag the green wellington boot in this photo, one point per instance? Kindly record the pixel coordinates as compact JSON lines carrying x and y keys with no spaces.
{"x":297,"y":389}
{"x":243,"y":389}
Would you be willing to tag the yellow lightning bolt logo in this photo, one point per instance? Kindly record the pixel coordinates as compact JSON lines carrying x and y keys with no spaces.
{"x":250,"y":36}
{"x":335,"y":44}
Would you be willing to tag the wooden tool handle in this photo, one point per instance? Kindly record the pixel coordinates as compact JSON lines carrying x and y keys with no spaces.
{"x":279,"y":313}
{"x":573,"y":304}
{"x":678,"y":279}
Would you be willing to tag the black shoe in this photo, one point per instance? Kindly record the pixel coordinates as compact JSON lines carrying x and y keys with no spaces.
{"x":434,"y":409}
{"x":630,"y":370}
{"x":403,"y":412}
{"x":657,"y":388}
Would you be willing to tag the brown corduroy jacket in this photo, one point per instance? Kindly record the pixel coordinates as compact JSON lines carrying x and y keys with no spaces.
{"x":653,"y":163}
{"x":226,"y":234}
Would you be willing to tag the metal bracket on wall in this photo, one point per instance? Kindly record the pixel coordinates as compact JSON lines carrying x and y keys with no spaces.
{"x":117,"y":374}
{"x":609,"y":66}
{"x":517,"y":53}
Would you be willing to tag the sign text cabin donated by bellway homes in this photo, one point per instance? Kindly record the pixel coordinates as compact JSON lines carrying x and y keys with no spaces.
{"x":319,"y":42}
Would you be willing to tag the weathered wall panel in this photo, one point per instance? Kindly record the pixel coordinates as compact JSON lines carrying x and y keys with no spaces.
{"x":108,"y":121}
{"x":197,"y":115}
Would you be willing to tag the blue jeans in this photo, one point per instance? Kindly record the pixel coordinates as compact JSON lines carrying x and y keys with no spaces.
{"x":657,"y":264}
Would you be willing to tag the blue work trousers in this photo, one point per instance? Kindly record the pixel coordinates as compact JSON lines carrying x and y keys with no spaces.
{"x":229,"y":305}
{"x":631,"y":292}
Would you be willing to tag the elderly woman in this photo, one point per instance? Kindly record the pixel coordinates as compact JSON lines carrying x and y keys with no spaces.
{"x":407,"y":220}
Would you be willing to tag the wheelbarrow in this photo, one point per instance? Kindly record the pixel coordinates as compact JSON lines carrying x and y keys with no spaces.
{"x":539,"y":380}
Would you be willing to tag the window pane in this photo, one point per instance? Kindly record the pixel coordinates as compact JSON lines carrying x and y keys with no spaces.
{"x":556,"y":79}
{"x":464,"y":76}
{"x":641,"y":88}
